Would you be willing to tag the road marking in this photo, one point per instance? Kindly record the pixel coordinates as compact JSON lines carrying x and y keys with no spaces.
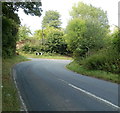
{"x":88,"y":93}
{"x":22,"y":101}
{"x":63,"y":81}
{"x":99,"y":98}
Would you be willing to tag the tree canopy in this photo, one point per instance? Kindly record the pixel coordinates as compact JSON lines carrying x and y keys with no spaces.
{"x":51,"y":19}
{"x":84,"y":11}
{"x":11,"y":22}
{"x":87,"y":28}
{"x":24,"y":33}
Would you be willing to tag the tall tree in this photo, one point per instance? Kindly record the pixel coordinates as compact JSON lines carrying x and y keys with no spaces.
{"x":84,"y":11}
{"x":51,"y":19}
{"x":94,"y":28}
{"x":96,"y":19}
{"x":11,"y":22}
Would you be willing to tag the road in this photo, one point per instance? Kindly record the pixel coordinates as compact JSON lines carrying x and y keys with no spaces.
{"x":46,"y":85}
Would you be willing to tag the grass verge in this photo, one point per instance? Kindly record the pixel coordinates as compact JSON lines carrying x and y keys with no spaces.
{"x":10,"y":100}
{"x":74,"y":66}
{"x":47,"y":56}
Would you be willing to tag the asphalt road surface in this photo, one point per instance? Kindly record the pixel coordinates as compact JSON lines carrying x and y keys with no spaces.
{"x":46,"y":85}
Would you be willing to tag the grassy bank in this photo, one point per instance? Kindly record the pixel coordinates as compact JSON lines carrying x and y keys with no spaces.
{"x":74,"y":66}
{"x":10,"y":99}
{"x":47,"y":56}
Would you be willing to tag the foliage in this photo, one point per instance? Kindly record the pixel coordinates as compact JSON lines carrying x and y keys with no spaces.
{"x":32,"y":8}
{"x":47,"y":56}
{"x":55,"y":42}
{"x":76,"y":67}
{"x":116,"y":39}
{"x":51,"y":40}
{"x":107,"y":59}
{"x":51,"y":19}
{"x":86,"y":30}
{"x":75,"y":31}
{"x":86,"y":35}
{"x":43,"y":33}
{"x":10,"y":97}
{"x":38,"y":34}
{"x":9,"y":30}
{"x":11,"y":23}
{"x":30,"y":49}
{"x":86,"y":12}
{"x":23,"y":33}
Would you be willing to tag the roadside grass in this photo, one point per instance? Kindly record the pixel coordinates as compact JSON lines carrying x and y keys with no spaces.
{"x":10,"y":98}
{"x":74,"y":66}
{"x":47,"y":56}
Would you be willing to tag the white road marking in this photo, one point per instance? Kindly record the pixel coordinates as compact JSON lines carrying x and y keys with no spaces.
{"x":90,"y":94}
{"x":24,"y":106}
{"x":63,"y":81}
{"x":99,"y":98}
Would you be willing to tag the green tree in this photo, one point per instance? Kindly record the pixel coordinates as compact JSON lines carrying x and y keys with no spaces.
{"x":11,"y":22}
{"x":96,"y":20}
{"x":9,"y":37}
{"x":84,"y":11}
{"x":116,"y":39}
{"x":38,"y":34}
{"x":108,"y":58}
{"x":75,"y":36}
{"x":51,"y":19}
{"x":24,"y":33}
{"x":55,"y":42}
{"x":87,"y":29}
{"x":42,"y":33}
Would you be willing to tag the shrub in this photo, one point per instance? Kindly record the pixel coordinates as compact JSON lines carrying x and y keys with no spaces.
{"x":31,"y":49}
{"x":107,"y":60}
{"x":55,"y":42}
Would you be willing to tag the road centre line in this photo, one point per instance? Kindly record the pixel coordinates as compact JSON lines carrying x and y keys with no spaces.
{"x":90,"y":94}
{"x":99,"y":98}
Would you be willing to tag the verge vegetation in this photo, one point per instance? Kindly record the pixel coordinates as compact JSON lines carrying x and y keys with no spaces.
{"x":74,"y":66}
{"x":47,"y":56}
{"x":10,"y":99}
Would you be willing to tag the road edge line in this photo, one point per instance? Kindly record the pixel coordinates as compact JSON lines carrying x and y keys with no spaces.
{"x":20,"y":97}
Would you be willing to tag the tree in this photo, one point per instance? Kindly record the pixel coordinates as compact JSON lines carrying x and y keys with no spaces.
{"x":23,"y":33}
{"x":87,"y":29}
{"x":9,"y":36}
{"x":55,"y":42}
{"x":75,"y":36}
{"x":84,"y":11}
{"x":96,"y":19}
{"x":11,"y":22}
{"x":51,"y":19}
{"x":116,"y":39}
{"x":32,"y":8}
{"x":38,"y":34}
{"x":42,"y":33}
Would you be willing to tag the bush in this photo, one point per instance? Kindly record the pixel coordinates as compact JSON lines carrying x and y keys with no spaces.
{"x":107,"y":60}
{"x":31,"y":49}
{"x":55,"y":42}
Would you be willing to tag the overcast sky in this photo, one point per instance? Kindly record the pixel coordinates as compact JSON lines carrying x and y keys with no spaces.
{"x":64,"y":6}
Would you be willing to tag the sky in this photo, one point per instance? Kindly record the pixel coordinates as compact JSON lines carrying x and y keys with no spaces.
{"x":64,"y":7}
